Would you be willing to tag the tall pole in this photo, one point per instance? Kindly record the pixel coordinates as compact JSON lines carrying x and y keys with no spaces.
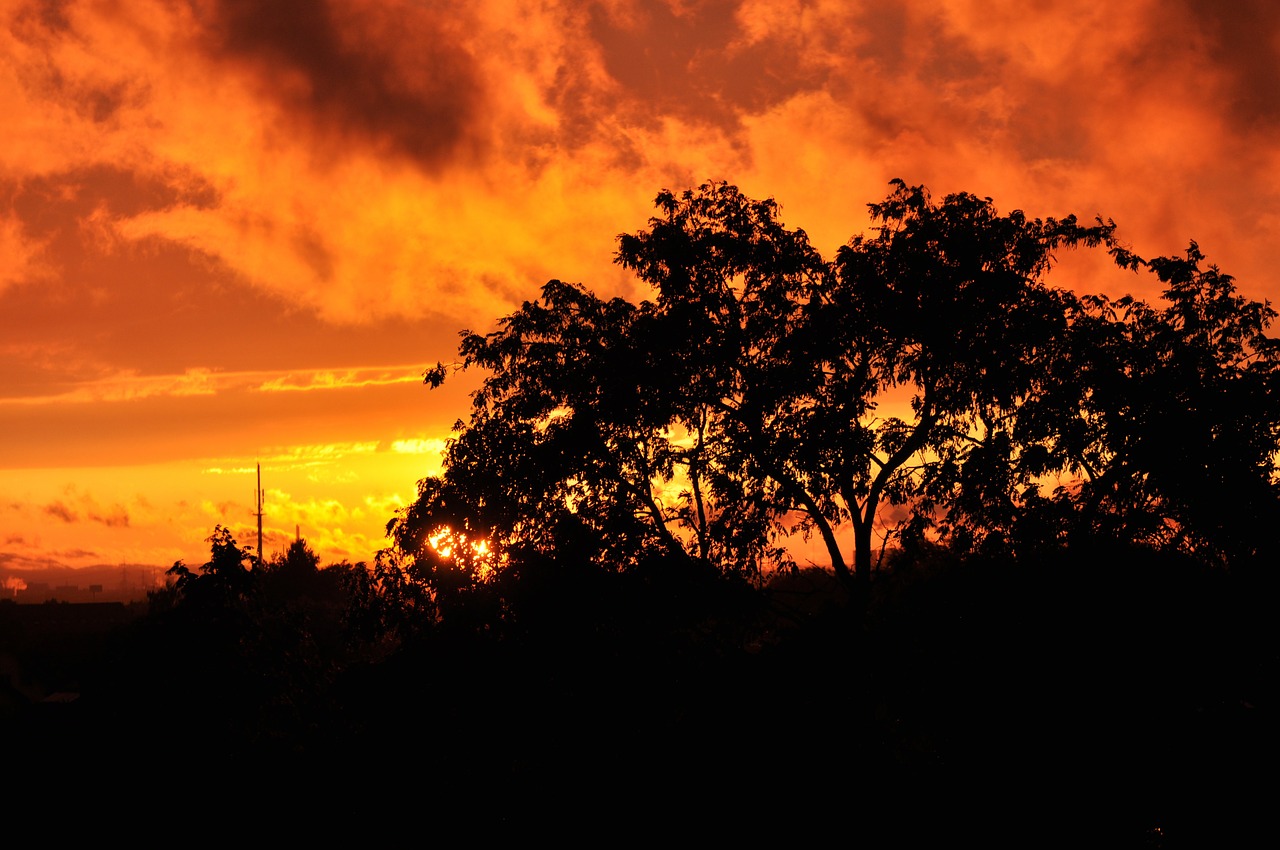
{"x":259,"y":499}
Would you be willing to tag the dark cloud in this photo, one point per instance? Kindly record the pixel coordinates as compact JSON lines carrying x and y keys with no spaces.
{"x":62,"y":512}
{"x":157,"y":306}
{"x":101,"y":104}
{"x":396,"y":78}
{"x":315,"y":252}
{"x":118,"y":517}
{"x":50,"y":14}
{"x":885,"y":36}
{"x":1244,"y":42}
{"x":75,"y":554}
{"x":696,"y":65}
{"x":39,"y":22}
{"x":12,"y":562}
{"x":43,"y":26}
{"x":52,"y":205}
{"x":898,"y":56}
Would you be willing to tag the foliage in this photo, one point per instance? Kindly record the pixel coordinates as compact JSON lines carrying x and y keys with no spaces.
{"x":945,"y":304}
{"x":298,"y":559}
{"x":224,"y":579}
{"x":1167,"y":418}
{"x":928,"y":373}
{"x":295,"y":574}
{"x":386,"y":602}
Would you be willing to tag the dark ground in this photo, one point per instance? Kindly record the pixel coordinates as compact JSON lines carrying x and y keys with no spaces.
{"x":1072,"y":703}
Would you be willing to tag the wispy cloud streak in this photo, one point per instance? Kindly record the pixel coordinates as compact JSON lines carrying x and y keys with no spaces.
{"x":130,"y":386}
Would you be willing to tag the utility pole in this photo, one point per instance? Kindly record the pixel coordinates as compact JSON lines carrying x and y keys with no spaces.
{"x":258,"y":498}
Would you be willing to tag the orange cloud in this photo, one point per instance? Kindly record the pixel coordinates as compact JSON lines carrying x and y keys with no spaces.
{"x":77,"y":506}
{"x":19,"y":254}
{"x":377,"y":159}
{"x":330,"y":380}
{"x":202,"y":381}
{"x":418,"y":446}
{"x":365,"y":161}
{"x":394,"y":77}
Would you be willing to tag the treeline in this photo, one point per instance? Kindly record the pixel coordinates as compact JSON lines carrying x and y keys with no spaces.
{"x":1115,"y":694}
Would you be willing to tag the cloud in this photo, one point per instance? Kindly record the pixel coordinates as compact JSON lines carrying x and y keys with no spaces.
{"x":20,"y":255}
{"x":403,"y":159}
{"x":368,"y":161}
{"x":221,"y":510}
{"x":292,"y":458}
{"x":331,"y":527}
{"x":129,"y":385}
{"x":418,"y":446}
{"x":285,"y":455}
{"x":85,"y":507}
{"x":703,"y":63}
{"x":341,"y":379}
{"x":61,"y":511}
{"x":394,"y":76}
{"x":1242,"y":40}
{"x":75,"y":554}
{"x":117,"y":518}
{"x":358,"y":161}
{"x":14,"y":561}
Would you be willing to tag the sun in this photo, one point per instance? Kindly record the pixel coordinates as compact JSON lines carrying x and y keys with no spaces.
{"x":476,"y":555}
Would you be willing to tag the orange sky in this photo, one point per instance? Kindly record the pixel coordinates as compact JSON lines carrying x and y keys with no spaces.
{"x":235,"y":232}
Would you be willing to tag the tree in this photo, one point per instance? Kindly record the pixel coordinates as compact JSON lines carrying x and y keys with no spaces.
{"x":222,"y":580}
{"x":298,"y":559}
{"x":947,"y":303}
{"x":612,"y":420}
{"x":1167,"y":418}
{"x":293,"y":578}
{"x":746,"y":402}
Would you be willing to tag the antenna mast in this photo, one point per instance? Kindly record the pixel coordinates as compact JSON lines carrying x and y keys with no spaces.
{"x":258,"y":498}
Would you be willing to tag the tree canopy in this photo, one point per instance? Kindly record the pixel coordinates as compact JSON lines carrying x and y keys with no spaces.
{"x":751,"y":399}
{"x":225,"y":578}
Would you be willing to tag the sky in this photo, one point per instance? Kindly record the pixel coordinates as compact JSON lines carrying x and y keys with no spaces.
{"x":236,"y":233}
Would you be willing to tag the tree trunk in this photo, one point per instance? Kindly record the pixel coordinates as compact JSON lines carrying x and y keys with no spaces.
{"x":862,"y":526}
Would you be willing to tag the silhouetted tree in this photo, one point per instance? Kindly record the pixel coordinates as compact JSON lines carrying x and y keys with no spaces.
{"x":223,"y":579}
{"x":745,"y":402}
{"x":298,"y":558}
{"x":294,"y":575}
{"x":1168,"y":417}
{"x":388,"y":601}
{"x":947,"y":305}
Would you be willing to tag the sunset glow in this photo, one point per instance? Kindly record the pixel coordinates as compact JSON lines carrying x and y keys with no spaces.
{"x":237,"y":233}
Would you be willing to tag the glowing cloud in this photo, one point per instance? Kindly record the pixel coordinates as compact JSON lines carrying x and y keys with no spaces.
{"x":77,"y":506}
{"x":128,"y":385}
{"x":330,"y":380}
{"x":418,"y":446}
